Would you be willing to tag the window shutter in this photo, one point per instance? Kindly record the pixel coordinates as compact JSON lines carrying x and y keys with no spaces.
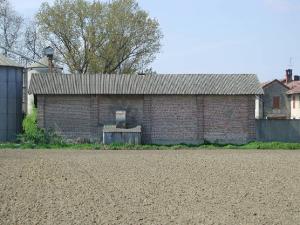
{"x":276,"y":102}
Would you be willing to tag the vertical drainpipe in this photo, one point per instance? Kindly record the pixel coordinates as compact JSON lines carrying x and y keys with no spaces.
{"x":7,"y":103}
{"x":17,"y":84}
{"x":16,"y":101}
{"x":19,"y":75}
{"x":203,"y":116}
{"x":24,"y":91}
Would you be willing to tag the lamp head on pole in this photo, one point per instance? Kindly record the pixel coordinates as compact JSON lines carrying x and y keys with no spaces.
{"x":49,"y":52}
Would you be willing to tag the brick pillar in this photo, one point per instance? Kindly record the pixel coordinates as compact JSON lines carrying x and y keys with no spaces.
{"x":251,"y":119}
{"x":41,"y":111}
{"x":200,"y":117}
{"x":147,"y":120}
{"x":94,"y":129}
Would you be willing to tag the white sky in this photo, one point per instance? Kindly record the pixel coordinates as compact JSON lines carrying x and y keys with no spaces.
{"x":220,"y":36}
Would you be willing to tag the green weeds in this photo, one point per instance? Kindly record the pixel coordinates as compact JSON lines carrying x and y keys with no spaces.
{"x":62,"y":145}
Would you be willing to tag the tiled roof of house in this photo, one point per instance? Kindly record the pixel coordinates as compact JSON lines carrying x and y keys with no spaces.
{"x":293,"y":84}
{"x":295,"y":90}
{"x":4,"y":61}
{"x":185,"y":84}
{"x":294,"y":87}
{"x":267,"y":84}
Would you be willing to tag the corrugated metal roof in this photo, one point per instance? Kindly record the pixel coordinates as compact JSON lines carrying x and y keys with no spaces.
{"x":183,"y":84}
{"x":4,"y":61}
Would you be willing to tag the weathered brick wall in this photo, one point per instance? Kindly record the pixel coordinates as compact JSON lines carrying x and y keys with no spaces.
{"x":67,"y":115}
{"x":164,"y":119}
{"x":83,"y":116}
{"x":109,"y":104}
{"x":229,"y":119}
{"x":41,"y":111}
{"x":251,"y":120}
{"x":147,"y":120}
{"x":200,"y":118}
{"x":174,"y":119}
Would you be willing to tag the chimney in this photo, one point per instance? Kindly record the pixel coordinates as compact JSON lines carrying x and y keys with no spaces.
{"x":296,"y":78}
{"x":289,"y":76}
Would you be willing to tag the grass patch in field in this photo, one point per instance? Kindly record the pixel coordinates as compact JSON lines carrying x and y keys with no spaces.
{"x":251,"y":145}
{"x":271,"y":145}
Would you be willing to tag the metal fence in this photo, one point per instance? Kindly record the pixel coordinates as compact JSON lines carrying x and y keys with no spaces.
{"x":278,"y":130}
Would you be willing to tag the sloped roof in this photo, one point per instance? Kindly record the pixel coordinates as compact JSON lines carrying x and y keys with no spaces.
{"x":185,"y":84}
{"x":266,"y":84}
{"x":4,"y":61}
{"x":42,"y":63}
{"x":295,"y":90}
{"x":292,"y":87}
{"x":293,"y":84}
{"x":295,"y":87}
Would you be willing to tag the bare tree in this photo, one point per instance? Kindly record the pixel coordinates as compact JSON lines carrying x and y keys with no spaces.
{"x":33,"y":41}
{"x":10,"y":26}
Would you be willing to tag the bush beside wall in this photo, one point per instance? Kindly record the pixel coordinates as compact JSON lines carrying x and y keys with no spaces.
{"x":32,"y":134}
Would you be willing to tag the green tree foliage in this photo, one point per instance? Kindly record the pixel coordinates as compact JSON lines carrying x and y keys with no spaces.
{"x":101,"y":37}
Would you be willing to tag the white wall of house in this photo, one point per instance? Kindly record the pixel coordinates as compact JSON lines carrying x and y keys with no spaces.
{"x":30,"y":98}
{"x":37,"y":68}
{"x":295,"y":107}
{"x":258,"y":108}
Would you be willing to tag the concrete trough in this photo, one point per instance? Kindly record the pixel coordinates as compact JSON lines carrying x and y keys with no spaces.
{"x":112,"y":134}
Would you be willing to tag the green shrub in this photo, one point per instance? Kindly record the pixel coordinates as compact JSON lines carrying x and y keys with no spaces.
{"x":35,"y":135}
{"x":31,"y":132}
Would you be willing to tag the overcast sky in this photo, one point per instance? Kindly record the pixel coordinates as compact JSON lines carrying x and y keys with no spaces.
{"x":220,"y":36}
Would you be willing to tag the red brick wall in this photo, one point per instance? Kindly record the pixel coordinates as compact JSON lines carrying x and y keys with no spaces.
{"x":67,"y":115}
{"x":229,"y":119}
{"x":164,"y":119}
{"x":83,"y":116}
{"x":109,"y":104}
{"x":174,"y":119}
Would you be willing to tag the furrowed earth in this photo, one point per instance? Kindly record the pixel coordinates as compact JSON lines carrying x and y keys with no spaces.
{"x":150,"y":187}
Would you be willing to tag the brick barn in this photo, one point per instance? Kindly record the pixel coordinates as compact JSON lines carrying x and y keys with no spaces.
{"x":169,"y":108}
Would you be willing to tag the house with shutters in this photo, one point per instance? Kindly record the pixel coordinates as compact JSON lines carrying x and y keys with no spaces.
{"x":281,"y":99}
{"x":164,"y":109}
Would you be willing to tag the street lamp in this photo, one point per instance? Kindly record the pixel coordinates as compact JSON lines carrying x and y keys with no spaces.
{"x":49,"y":52}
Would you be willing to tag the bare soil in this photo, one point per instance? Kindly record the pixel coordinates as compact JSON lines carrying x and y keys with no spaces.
{"x":149,"y":187}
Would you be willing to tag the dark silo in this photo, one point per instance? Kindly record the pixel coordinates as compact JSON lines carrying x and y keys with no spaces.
{"x":11,"y":88}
